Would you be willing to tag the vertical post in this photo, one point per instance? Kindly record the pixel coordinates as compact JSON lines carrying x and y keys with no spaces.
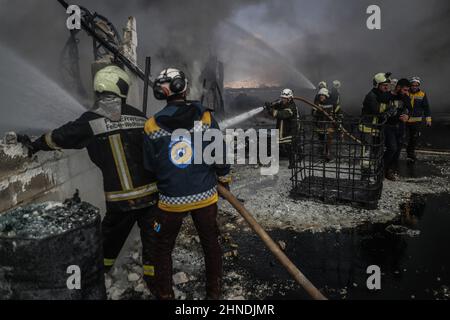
{"x":129,"y":50}
{"x":148,"y":64}
{"x":203,"y":91}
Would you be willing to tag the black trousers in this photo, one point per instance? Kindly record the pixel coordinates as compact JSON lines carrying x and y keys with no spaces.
{"x":205,"y":221}
{"x":116,"y":227}
{"x":414,"y":131}
{"x":393,"y":135}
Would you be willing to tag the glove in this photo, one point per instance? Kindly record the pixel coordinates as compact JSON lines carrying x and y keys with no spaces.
{"x":26,"y":141}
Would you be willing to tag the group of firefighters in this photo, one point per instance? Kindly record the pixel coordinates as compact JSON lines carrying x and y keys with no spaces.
{"x":149,"y":176}
{"x":399,"y":107}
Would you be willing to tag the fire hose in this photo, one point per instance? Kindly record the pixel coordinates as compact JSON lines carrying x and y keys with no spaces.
{"x":271,"y":245}
{"x":329,"y":117}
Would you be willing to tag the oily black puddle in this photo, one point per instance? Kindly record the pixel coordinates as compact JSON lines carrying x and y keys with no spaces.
{"x":412,"y":266}
{"x":419,"y":169}
{"x":436,"y":137}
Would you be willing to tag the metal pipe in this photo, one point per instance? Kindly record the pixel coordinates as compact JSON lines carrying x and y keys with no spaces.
{"x":148,"y":64}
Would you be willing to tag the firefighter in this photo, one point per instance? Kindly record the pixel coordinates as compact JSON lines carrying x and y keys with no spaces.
{"x":324,"y":126}
{"x":420,"y":109}
{"x":112,"y":132}
{"x":335,"y":96}
{"x":398,"y":114}
{"x":320,"y":86}
{"x":373,"y":117}
{"x":286,"y":112}
{"x":185,"y":187}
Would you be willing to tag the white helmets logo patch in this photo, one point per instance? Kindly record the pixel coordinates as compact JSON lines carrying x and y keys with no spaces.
{"x":181,"y":152}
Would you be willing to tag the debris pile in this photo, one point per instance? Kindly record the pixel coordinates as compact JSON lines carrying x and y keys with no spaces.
{"x":38,"y":221}
{"x":59,"y":242}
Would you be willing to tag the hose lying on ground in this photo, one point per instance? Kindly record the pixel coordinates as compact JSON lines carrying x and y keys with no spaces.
{"x":271,"y":245}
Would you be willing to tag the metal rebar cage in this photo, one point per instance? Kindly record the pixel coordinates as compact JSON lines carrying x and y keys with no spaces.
{"x":338,"y":162}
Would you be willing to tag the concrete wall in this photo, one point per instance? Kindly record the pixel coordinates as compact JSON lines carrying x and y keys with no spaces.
{"x":48,"y":176}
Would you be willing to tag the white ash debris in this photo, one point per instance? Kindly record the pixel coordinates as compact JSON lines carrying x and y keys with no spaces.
{"x":268,"y":199}
{"x":402,"y":230}
{"x":14,"y":150}
{"x":38,"y":221}
{"x":25,"y":178}
{"x":180,"y":278}
{"x":133,"y":277}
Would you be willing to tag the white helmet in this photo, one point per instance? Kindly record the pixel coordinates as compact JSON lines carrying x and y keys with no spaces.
{"x":381,"y":78}
{"x":287,"y":93}
{"x":336,"y":84}
{"x":112,"y":79}
{"x":415,"y":79}
{"x":170,"y":82}
{"x":322,"y":84}
{"x":324,"y":92}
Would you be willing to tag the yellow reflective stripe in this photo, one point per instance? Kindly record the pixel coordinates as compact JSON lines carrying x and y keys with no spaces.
{"x":366,"y":129}
{"x":188,"y":206}
{"x":415,"y":119}
{"x":108,"y":262}
{"x":206,"y":119}
{"x":131,"y":194}
{"x":383,"y":107}
{"x":121,"y":162}
{"x":151,"y":126}
{"x":281,"y":129}
{"x":149,"y":271}
{"x":50,"y":143}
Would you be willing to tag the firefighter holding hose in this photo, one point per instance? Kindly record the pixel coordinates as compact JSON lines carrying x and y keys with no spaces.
{"x":112,"y":132}
{"x":324,"y":127}
{"x":286,"y":112}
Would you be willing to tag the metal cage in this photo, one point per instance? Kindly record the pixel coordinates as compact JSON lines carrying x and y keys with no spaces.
{"x":338,"y":162}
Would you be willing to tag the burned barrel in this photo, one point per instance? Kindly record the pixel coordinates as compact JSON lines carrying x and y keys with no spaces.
{"x":51,"y":251}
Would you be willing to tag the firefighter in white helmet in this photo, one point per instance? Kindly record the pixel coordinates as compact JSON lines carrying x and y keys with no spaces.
{"x":420,"y":111}
{"x":286,"y":112}
{"x":324,"y":127}
{"x":375,"y":105}
{"x":184,"y":187}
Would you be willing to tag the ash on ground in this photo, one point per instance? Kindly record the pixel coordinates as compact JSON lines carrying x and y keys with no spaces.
{"x":38,"y":221}
{"x":267,"y":198}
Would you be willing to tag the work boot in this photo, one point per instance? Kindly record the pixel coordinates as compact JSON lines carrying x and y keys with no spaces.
{"x":214,"y":289}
